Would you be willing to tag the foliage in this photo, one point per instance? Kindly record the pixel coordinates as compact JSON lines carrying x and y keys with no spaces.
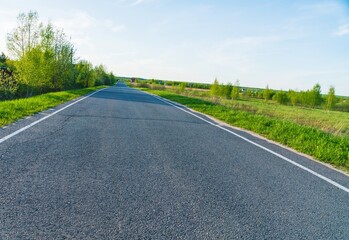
{"x":214,"y":89}
{"x":266,"y":93}
{"x":182,"y":87}
{"x":86,"y":77}
{"x":8,"y":83}
{"x":3,"y":59}
{"x":293,"y":96}
{"x":235,"y":91}
{"x":45,"y":61}
{"x":330,"y":98}
{"x":226,"y":90}
{"x":281,"y":97}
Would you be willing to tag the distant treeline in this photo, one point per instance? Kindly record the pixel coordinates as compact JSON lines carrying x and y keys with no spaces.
{"x":44,"y":60}
{"x":312,"y":98}
{"x":170,"y":83}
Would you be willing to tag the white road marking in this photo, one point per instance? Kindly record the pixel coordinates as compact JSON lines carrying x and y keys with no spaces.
{"x":258,"y":145}
{"x":44,"y":118}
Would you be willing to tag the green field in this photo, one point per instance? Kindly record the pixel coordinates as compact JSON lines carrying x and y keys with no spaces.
{"x":333,"y":122}
{"x":319,"y":133}
{"x":13,"y":110}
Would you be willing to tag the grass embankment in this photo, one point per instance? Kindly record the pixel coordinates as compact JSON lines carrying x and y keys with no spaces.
{"x":13,"y":110}
{"x":327,"y":147}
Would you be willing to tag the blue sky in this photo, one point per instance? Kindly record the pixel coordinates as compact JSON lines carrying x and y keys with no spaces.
{"x":285,"y":44}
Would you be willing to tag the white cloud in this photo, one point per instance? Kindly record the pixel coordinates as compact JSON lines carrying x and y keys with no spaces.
{"x":342,"y":30}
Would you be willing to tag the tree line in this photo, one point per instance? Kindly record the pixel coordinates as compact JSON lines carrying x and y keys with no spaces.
{"x":44,"y":60}
{"x":312,"y":98}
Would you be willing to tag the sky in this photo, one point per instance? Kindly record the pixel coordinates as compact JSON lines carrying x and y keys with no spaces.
{"x":280,"y":43}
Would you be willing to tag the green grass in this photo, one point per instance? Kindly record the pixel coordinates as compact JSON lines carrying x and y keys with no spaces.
{"x":13,"y":110}
{"x":310,"y":140}
{"x":333,"y":122}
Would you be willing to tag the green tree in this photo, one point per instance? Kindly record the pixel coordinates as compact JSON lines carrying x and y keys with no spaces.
{"x":313,"y":98}
{"x":266,"y":93}
{"x":182,"y":87}
{"x":111,"y":79}
{"x":86,"y":75}
{"x":44,"y":55}
{"x":281,"y":97}
{"x":64,"y":68}
{"x":3,"y":59}
{"x":101,"y":75}
{"x":293,"y":96}
{"x":331,"y":98}
{"x":227,"y":90}
{"x":236,"y":90}
{"x":214,"y":89}
{"x":8,"y":84}
{"x":34,"y":70}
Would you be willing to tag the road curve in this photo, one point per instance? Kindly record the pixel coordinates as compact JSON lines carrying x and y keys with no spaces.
{"x":122,"y":164}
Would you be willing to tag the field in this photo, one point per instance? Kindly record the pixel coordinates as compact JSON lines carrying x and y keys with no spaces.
{"x":13,"y":110}
{"x":319,"y":133}
{"x":334,"y":122}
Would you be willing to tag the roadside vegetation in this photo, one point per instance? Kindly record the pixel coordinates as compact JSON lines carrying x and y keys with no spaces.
{"x":310,"y":125}
{"x":13,"y":110}
{"x":43,"y":60}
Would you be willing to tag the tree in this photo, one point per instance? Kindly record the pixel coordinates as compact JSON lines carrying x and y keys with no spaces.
{"x":8,"y":84}
{"x":293,"y":95}
{"x":281,"y":97}
{"x":86,"y":75}
{"x":45,"y":58}
{"x":26,"y":36}
{"x":330,"y":98}
{"x":266,"y":93}
{"x":313,"y":98}
{"x":101,"y":75}
{"x":236,"y":90}
{"x":182,"y":87}
{"x":35,"y":70}
{"x":3,"y":59}
{"x":111,"y":79}
{"x":60,"y":53}
{"x":227,"y":90}
{"x":214,"y":89}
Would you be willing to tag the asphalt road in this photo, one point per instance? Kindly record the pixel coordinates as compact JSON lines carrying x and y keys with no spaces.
{"x":122,"y":164}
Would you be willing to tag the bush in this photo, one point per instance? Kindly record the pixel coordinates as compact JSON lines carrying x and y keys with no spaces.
{"x":281,"y":97}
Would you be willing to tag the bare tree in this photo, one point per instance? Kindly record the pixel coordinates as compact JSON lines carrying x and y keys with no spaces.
{"x":26,"y":35}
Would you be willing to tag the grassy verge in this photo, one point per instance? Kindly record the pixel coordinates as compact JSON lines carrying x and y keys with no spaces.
{"x":333,"y":122}
{"x":13,"y":110}
{"x":323,"y":146}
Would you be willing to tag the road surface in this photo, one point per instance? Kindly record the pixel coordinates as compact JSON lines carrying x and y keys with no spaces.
{"x":122,"y":164}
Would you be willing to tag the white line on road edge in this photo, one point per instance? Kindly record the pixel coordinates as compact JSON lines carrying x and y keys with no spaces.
{"x":42,"y":119}
{"x":260,"y":146}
